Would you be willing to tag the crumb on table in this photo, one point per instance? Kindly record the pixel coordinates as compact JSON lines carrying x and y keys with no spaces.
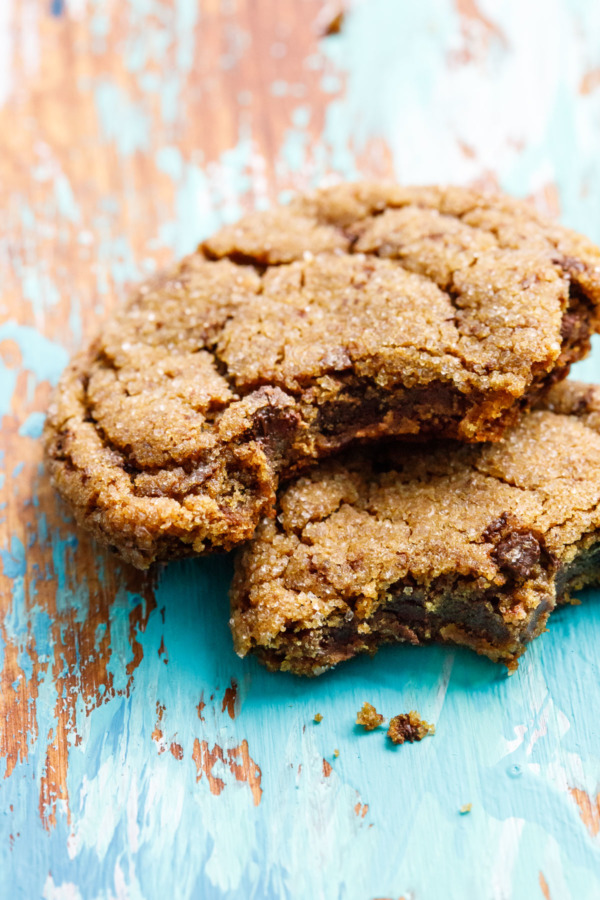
{"x":465,"y":809}
{"x":334,"y":26}
{"x":318,"y":718}
{"x":409,"y":727}
{"x":368,"y":717}
{"x":336,"y":753}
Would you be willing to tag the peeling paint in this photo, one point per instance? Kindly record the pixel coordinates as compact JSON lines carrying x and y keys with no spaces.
{"x":544,"y":888}
{"x":589,"y":809}
{"x":236,"y":759}
{"x":230,"y":699}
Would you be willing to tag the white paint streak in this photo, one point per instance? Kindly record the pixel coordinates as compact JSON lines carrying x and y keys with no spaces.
{"x":120,"y":883}
{"x":65,"y":891}
{"x":133,"y":828}
{"x":320,"y":822}
{"x":506,"y":854}
{"x":493,"y":117}
{"x":77,"y":9}
{"x":443,"y":683}
{"x":30,"y":42}
{"x":510,"y":746}
{"x":6,"y":50}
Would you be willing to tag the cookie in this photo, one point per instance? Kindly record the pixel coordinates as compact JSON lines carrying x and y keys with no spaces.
{"x":357,"y":312}
{"x":467,"y":544}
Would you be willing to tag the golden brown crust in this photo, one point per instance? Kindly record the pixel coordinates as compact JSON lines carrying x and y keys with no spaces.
{"x":357,"y":312}
{"x":471,"y":544}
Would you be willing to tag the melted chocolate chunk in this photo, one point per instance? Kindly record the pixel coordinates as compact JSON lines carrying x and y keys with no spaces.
{"x":518,"y":551}
{"x":570,"y":264}
{"x":272,"y":423}
{"x":518,"y":554}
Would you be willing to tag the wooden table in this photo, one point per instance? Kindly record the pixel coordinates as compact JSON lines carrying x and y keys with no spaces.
{"x":139,"y":758}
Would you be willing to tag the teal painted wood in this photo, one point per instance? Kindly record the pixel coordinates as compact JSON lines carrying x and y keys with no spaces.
{"x":139,"y":758}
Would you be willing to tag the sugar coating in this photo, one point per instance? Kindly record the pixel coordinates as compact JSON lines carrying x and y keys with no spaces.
{"x":357,"y":312}
{"x":471,"y":544}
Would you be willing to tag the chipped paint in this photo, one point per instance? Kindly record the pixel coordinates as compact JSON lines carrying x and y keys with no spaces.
{"x":544,"y":888}
{"x":590,"y":81}
{"x":230,"y":699}
{"x":589,"y":809}
{"x":236,"y":759}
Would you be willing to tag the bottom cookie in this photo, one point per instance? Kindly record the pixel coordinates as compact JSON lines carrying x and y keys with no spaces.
{"x":468,"y":544}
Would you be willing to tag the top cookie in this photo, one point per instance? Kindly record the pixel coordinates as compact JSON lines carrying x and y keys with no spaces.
{"x":358,"y":311}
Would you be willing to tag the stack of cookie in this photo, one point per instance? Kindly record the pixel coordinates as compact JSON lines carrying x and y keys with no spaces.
{"x":363,"y":390}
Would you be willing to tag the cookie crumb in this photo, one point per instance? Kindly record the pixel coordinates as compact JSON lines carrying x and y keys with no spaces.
{"x":368,"y":717}
{"x":465,"y":809}
{"x":409,"y":727}
{"x":334,"y":26}
{"x":336,"y":753}
{"x":318,"y":718}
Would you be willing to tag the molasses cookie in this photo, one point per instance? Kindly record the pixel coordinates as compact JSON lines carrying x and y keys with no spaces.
{"x":355,"y":313}
{"x":467,"y":544}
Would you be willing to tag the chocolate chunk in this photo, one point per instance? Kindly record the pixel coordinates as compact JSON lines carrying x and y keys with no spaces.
{"x":273,"y":423}
{"x":570,"y":326}
{"x":570,"y":264}
{"x":498,"y":528}
{"x":518,"y":554}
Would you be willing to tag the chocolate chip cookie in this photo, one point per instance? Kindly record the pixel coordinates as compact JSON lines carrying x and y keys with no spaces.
{"x":470,"y":544}
{"x":356,"y":312}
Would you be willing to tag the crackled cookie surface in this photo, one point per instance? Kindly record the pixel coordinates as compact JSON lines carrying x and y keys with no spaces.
{"x":472,"y":544}
{"x":359,"y":311}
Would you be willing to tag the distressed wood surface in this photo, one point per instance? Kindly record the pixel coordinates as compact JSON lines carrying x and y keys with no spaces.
{"x":139,"y":758}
